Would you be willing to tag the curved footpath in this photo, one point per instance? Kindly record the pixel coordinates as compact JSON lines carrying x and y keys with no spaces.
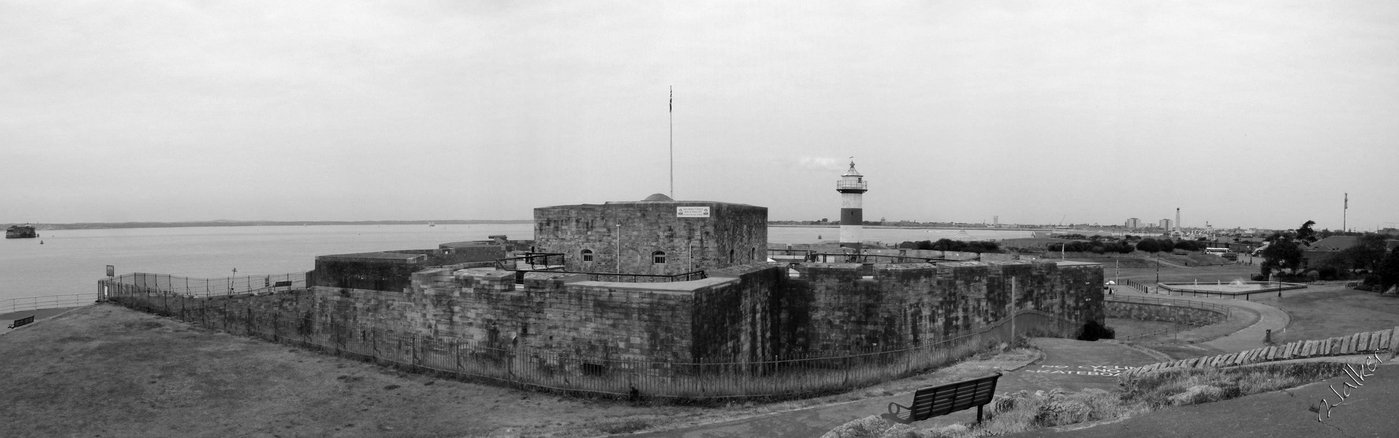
{"x":1269,"y":318}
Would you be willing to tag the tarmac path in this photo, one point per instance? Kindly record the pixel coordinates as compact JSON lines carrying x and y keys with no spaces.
{"x":1067,"y":363}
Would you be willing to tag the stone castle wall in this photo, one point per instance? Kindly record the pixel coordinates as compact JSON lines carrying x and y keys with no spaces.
{"x":743,"y":313}
{"x":733,"y":234}
{"x":1180,"y":314}
{"x":836,"y":307}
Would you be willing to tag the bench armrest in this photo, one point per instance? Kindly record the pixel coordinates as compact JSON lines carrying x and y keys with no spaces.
{"x":895,"y":407}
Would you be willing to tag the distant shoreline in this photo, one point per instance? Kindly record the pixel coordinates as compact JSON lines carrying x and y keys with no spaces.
{"x":921,"y":227}
{"x":114,"y":225}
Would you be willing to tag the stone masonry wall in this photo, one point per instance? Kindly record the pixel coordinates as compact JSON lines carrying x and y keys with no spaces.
{"x":551,"y":313}
{"x":734,"y":234}
{"x":741,"y":313}
{"x":840,"y":307}
{"x":1159,"y":312}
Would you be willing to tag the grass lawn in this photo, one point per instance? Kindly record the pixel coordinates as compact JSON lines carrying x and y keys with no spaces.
{"x":1328,"y":311}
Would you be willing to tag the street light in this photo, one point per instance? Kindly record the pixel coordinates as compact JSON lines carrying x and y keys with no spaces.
{"x":1158,"y":272}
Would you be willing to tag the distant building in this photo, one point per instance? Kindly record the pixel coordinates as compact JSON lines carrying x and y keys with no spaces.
{"x":1133,"y":223}
{"x":1165,"y":224}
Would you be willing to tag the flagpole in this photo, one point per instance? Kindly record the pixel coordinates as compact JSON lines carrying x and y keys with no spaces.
{"x":1344,"y":210}
{"x":672,"y":142}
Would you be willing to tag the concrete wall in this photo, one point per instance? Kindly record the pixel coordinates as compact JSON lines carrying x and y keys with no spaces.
{"x":733,"y":234}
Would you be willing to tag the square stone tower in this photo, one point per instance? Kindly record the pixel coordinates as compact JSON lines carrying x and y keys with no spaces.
{"x":657,"y":235}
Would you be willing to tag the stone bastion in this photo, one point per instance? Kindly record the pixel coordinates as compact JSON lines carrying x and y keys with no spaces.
{"x":743,"y":313}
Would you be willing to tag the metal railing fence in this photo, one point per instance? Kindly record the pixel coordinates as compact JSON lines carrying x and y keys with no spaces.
{"x":26,"y":304}
{"x":212,"y":287}
{"x":789,"y":376}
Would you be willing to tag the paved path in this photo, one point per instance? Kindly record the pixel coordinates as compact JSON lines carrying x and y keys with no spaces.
{"x":1269,"y":318}
{"x":1067,"y":364}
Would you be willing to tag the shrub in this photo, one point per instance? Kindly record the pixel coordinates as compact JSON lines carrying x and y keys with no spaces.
{"x":1094,"y":330}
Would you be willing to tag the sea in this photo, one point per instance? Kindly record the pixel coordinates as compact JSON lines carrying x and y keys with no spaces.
{"x":65,"y":262}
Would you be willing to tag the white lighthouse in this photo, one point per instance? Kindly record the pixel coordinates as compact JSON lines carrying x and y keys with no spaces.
{"x":852,"y":187}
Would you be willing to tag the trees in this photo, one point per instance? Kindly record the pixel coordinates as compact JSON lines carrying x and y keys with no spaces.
{"x":1388,"y":270}
{"x":1305,"y":235}
{"x":1282,"y":254}
{"x":954,"y":245}
{"x":1188,"y":245}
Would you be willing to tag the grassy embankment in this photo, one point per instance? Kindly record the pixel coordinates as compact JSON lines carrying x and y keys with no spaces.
{"x":1022,"y":410}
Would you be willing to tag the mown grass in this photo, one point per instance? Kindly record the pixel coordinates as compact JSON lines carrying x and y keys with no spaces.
{"x":1023,"y":410}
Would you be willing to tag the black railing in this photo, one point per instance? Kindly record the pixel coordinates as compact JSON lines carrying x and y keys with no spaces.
{"x":537,"y":261}
{"x":645,"y":278}
{"x":870,"y":258}
{"x":554,"y":262}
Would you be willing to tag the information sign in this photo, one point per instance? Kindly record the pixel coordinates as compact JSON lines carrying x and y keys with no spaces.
{"x":691,"y":211}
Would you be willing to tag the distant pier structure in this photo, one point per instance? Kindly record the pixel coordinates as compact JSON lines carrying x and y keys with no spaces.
{"x":852,"y":188}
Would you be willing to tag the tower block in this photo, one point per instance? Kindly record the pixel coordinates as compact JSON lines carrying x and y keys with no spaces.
{"x":852,"y":187}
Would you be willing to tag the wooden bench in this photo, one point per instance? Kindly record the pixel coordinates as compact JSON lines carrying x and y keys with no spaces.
{"x":22,"y":321}
{"x":946,"y":399}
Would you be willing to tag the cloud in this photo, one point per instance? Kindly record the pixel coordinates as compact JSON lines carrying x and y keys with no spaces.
{"x":823,"y":163}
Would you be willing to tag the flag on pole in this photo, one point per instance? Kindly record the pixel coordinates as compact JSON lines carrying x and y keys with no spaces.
{"x":1347,"y":207}
{"x":672,"y":99}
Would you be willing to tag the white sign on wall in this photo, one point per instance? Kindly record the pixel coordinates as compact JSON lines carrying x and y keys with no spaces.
{"x":691,"y":211}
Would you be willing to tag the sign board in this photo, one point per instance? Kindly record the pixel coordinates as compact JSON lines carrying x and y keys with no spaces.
{"x":111,"y":270}
{"x":691,"y":211}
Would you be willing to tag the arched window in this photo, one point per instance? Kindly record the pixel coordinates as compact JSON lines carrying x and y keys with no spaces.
{"x":731,"y":255}
{"x":752,"y":253}
{"x":587,"y":255}
{"x":658,"y":257}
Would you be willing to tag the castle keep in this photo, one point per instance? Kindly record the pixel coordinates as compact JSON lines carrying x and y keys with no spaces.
{"x":656,"y":236}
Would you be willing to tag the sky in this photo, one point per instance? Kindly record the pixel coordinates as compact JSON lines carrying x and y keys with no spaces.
{"x":1242,"y":114}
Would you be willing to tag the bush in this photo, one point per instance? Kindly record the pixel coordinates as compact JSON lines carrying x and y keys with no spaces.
{"x":1094,"y":330}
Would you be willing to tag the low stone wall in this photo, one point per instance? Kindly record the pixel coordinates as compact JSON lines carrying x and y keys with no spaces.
{"x":1359,"y":343}
{"x":1165,"y":311}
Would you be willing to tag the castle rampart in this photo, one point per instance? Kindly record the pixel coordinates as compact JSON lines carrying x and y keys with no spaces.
{"x":744,"y":313}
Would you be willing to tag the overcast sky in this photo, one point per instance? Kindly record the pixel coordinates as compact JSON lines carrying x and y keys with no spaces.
{"x":1241,"y":114}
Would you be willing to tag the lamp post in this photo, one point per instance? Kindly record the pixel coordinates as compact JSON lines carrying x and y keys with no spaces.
{"x":1158,"y":272}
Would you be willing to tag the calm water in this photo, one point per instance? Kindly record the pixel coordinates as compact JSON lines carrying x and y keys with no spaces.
{"x":71,"y":261}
